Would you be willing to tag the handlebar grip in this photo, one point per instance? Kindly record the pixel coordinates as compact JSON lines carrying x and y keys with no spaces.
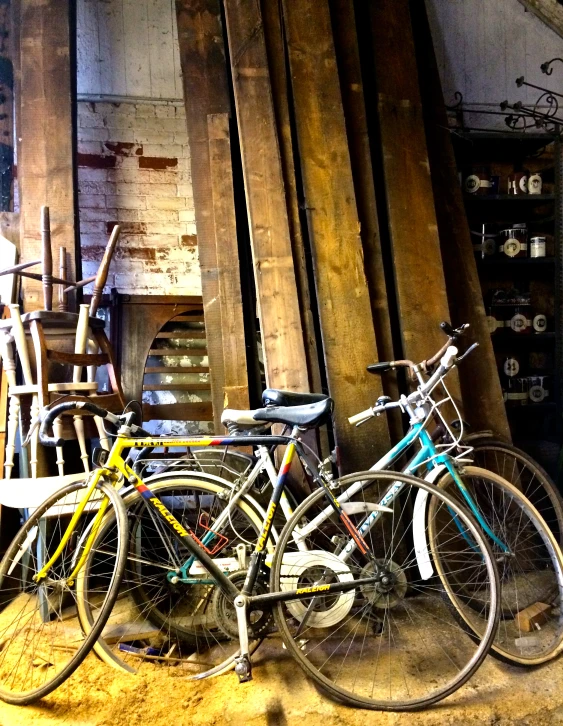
{"x":380,"y":367}
{"x":448,"y":330}
{"x":361,"y":417}
{"x":449,"y":357}
{"x":61,"y":408}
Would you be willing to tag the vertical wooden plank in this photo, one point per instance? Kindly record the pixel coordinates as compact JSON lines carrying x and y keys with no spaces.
{"x":482,"y":394}
{"x":419,"y":275}
{"x":280,"y":319}
{"x":112,"y":48}
{"x":161,"y":49}
{"x":204,"y":72}
{"x":45,"y":154}
{"x":348,"y":57}
{"x":232,"y":323}
{"x":136,"y":42}
{"x":277,"y":61}
{"x":342,"y":293}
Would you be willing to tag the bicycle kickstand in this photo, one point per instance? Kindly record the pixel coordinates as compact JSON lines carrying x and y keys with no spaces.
{"x":243,"y":666}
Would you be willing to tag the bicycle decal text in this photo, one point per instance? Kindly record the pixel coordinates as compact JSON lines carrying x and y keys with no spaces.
{"x":169,"y":517}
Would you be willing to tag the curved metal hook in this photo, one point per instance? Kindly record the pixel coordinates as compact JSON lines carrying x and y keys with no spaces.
{"x":546,"y":67}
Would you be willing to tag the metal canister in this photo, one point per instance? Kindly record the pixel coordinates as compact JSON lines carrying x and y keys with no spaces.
{"x":520,"y":320}
{"x":538,"y":389}
{"x":516,"y":392}
{"x":539,"y":323}
{"x":514,"y":241}
{"x":518,"y":182}
{"x":478,"y":181}
{"x":537,"y":246}
{"x":535,"y":183}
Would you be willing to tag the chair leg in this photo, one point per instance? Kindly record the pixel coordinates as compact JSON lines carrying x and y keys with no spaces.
{"x":79,"y":428}
{"x":104,"y":441}
{"x":58,"y":431}
{"x":33,"y":458}
{"x":13,"y":416}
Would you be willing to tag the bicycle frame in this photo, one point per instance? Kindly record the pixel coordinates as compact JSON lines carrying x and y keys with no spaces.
{"x":116,"y":468}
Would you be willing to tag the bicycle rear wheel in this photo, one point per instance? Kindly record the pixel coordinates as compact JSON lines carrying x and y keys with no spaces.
{"x":41,"y":642}
{"x":391,"y":645}
{"x":531,"y":571}
{"x":520,"y":469}
{"x":160,"y":617}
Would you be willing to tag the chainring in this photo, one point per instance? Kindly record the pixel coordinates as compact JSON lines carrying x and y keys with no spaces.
{"x":225,"y":612}
{"x":385,"y":598}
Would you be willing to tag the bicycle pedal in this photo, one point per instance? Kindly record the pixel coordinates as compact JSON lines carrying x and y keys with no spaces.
{"x":243,"y":668}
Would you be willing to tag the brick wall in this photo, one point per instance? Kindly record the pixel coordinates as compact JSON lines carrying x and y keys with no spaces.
{"x":134,"y":169}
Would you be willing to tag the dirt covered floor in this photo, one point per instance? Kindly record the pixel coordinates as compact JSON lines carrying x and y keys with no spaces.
{"x":280,"y":695}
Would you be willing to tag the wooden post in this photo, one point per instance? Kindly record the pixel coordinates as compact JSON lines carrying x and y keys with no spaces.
{"x":419,"y":275}
{"x":351,"y":85}
{"x":204,"y":71}
{"x":342,"y":294}
{"x":481,"y":389}
{"x":277,"y":61}
{"x":45,"y":152}
{"x":280,"y":319}
{"x":232,"y":323}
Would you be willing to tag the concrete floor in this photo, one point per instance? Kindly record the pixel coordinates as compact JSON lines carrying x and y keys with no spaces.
{"x":280,"y":695}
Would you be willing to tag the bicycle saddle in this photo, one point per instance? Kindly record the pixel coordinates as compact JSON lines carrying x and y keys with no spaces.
{"x":276,"y":397}
{"x":309,"y":415}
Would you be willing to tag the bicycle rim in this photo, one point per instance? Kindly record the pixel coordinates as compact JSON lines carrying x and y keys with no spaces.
{"x":393,"y":645}
{"x":531,"y":573}
{"x":155,"y":621}
{"x":41,"y":641}
{"x":527,"y":475}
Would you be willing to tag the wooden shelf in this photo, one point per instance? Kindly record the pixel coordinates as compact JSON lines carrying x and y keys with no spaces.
{"x":178,"y":352}
{"x":183,"y":335}
{"x":177,"y":386}
{"x":528,"y":407}
{"x":520,"y":339}
{"x":517,"y":262}
{"x":176,"y":369}
{"x":509,"y":197}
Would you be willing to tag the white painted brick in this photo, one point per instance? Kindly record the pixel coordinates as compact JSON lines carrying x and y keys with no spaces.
{"x":86,"y":173}
{"x":122,"y":135}
{"x":168,"y":203}
{"x":92,"y":134}
{"x":95,"y":187}
{"x":158,"y":215}
{"x":123,"y":122}
{"x":97,"y":215}
{"x":153,"y":137}
{"x":86,"y":120}
{"x":161,"y":190}
{"x":187,"y":215}
{"x":126,"y":201}
{"x":128,"y":176}
{"x":92,"y":227}
{"x":112,"y":109}
{"x":185,"y":190}
{"x":168,"y":151}
{"x":191,"y":228}
{"x":127,"y":215}
{"x":144,"y":110}
{"x":126,"y":162}
{"x":163,"y":177}
{"x":92,"y":240}
{"x":92,"y":201}
{"x":167,"y":125}
{"x":90,"y":147}
{"x":165,"y":111}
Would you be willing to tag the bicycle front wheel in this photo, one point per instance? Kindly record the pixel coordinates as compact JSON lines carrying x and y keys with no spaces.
{"x":390,"y":644}
{"x":530,"y":567}
{"x":41,"y":641}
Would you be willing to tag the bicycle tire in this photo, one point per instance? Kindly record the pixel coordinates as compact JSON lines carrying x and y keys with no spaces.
{"x":520,"y":469}
{"x":535,"y":548}
{"x":110,"y":652}
{"x":40,"y":611}
{"x":414,"y":617}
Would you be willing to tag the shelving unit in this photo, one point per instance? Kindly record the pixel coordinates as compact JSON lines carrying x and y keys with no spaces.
{"x":536,"y":427}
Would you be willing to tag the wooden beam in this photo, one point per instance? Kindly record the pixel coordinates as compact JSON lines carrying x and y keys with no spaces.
{"x":204,"y":72}
{"x":45,"y":149}
{"x":481,"y":390}
{"x":342,"y":294}
{"x":351,"y":86}
{"x":280,"y":318}
{"x":277,"y":62}
{"x":230,"y":296}
{"x":419,"y":275}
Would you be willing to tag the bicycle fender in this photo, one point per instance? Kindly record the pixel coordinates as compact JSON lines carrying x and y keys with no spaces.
{"x":423,"y":559}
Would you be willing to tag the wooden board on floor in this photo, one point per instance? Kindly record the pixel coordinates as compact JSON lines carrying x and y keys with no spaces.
{"x":419,"y":275}
{"x":280,"y":319}
{"x":45,"y":147}
{"x":481,"y":390}
{"x":204,"y":72}
{"x":230,"y":298}
{"x":342,"y":293}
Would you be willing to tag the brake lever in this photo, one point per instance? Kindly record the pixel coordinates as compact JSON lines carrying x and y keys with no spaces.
{"x":467,"y":352}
